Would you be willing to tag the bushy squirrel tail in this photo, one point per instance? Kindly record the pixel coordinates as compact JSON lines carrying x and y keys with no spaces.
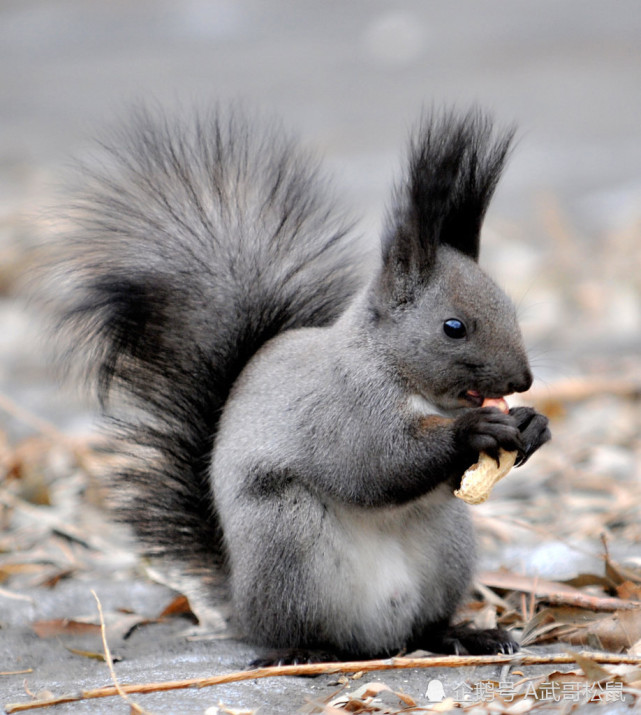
{"x":194,"y":243}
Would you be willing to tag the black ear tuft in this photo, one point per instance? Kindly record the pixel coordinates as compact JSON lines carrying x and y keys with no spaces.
{"x":454,"y":165}
{"x":480,"y":169}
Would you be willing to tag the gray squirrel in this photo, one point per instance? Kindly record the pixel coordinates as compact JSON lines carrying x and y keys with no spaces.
{"x":295,"y":429}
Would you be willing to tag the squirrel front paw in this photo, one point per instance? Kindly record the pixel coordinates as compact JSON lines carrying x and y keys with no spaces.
{"x":488,"y":430}
{"x":534,"y":430}
{"x":478,"y":480}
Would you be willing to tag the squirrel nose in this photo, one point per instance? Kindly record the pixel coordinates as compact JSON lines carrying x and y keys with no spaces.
{"x":523,"y":384}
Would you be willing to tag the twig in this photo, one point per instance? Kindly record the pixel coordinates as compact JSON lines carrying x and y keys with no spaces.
{"x":590,"y":603}
{"x":4,"y":593}
{"x":553,"y":592}
{"x":135,"y":708}
{"x":452,"y":661}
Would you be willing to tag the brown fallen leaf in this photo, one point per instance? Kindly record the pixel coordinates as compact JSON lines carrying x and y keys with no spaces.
{"x":565,"y":676}
{"x":620,"y":574}
{"x":551,"y":624}
{"x":629,"y":591}
{"x":629,"y":675}
{"x":7,"y":570}
{"x":616,"y":632}
{"x":372,"y":697}
{"x":178,"y":607}
{"x":590,"y":579}
{"x":120,"y":626}
{"x":53,"y":580}
{"x":64,"y":626}
{"x":93,"y":655}
{"x":608,"y":631}
{"x":130,"y":622}
{"x":594,"y":671}
{"x":406,"y":699}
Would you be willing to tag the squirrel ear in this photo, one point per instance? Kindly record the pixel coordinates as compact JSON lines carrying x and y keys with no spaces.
{"x":407,"y":262}
{"x":454,"y":166}
{"x":482,"y":154}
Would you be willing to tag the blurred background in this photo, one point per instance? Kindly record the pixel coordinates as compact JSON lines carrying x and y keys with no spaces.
{"x":351,"y":78}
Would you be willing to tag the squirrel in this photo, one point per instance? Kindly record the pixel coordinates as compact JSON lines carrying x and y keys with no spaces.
{"x":295,"y":427}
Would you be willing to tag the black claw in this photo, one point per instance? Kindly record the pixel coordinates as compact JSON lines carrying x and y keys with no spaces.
{"x":292,"y":656}
{"x":464,"y":640}
{"x":534,"y":431}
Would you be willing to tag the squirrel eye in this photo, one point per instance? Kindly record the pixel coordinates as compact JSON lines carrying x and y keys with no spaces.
{"x":454,"y":328}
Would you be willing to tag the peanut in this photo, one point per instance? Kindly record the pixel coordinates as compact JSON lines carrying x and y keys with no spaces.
{"x":479,"y":479}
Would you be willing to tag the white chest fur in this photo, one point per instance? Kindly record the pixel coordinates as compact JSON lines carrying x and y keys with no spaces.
{"x":390,"y":568}
{"x":421,"y":406}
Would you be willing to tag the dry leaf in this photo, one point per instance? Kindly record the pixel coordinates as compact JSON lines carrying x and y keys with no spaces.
{"x":616,"y":632}
{"x":53,"y":580}
{"x":64,"y":626}
{"x":371,"y":697}
{"x":93,"y":655}
{"x":548,"y":624}
{"x":406,"y":699}
{"x":369,"y":690}
{"x":617,"y":573}
{"x":445,"y":706}
{"x":594,"y":672}
{"x":629,"y":590}
{"x":329,"y":709}
{"x":178,"y":607}
{"x":590,"y":579}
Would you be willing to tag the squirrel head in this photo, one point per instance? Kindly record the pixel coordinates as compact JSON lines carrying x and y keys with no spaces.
{"x":448,"y":329}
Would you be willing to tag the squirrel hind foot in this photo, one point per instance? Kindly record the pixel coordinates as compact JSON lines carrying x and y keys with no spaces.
{"x":293,"y":656}
{"x":465,"y":640}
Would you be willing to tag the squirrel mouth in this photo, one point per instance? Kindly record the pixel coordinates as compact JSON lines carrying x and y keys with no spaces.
{"x":476,"y":399}
{"x":473,"y":398}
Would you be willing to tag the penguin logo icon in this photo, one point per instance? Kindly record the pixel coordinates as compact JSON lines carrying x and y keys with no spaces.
{"x":435,"y":692}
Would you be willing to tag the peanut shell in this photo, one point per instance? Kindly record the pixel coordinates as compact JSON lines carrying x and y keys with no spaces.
{"x":479,"y":479}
